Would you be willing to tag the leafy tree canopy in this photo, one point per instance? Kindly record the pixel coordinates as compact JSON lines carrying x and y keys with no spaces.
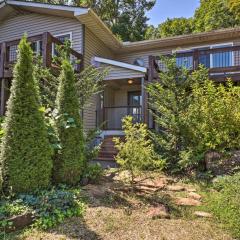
{"x":211,"y":15}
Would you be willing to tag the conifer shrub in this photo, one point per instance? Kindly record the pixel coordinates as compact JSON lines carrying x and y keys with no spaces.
{"x":25,"y":158}
{"x":136,"y":153}
{"x":70,"y":161}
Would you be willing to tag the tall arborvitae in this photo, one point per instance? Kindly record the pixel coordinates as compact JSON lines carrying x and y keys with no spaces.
{"x":26,"y":152}
{"x":70,"y":162}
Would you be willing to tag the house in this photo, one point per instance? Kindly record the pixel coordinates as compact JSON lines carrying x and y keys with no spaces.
{"x":131,"y":64}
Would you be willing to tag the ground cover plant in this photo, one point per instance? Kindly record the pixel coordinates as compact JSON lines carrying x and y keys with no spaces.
{"x":224,"y":202}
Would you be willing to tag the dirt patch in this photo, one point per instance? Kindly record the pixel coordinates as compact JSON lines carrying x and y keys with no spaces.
{"x":149,"y":212}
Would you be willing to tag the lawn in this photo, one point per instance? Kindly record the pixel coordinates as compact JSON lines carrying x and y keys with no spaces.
{"x":160,"y":207}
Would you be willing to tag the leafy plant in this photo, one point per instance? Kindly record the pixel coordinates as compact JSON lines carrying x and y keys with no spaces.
{"x":136,"y":153}
{"x":93,"y":172}
{"x":26,"y":163}
{"x":49,"y":207}
{"x":193,"y":115}
{"x":224,"y":202}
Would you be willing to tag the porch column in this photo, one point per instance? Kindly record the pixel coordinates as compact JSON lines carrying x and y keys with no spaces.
{"x":144,"y":102}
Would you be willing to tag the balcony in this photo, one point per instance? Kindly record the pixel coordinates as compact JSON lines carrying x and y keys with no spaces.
{"x":222,"y":62}
{"x":43,"y":45}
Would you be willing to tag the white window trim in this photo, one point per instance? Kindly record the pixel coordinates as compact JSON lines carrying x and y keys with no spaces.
{"x":59,"y":35}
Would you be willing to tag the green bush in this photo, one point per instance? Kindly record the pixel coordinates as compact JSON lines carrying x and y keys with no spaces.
{"x":26,"y":162}
{"x":93,"y":172}
{"x":136,"y":153}
{"x":49,"y":207}
{"x":225,"y":204}
{"x":193,"y":115}
{"x":70,"y":162}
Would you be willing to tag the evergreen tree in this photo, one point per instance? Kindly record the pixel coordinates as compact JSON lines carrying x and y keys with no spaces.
{"x":70,"y":162}
{"x":26,"y":152}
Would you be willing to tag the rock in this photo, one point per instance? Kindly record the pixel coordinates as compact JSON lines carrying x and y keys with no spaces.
{"x":159,"y":212}
{"x":19,"y":222}
{"x":96,"y":191}
{"x":194,"y":196}
{"x":175,"y":188}
{"x":202,"y":214}
{"x":220,"y":164}
{"x":187,"y":202}
{"x":190,"y":189}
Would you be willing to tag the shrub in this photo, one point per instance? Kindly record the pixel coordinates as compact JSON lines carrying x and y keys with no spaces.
{"x":136,"y":152}
{"x":193,"y":115}
{"x":93,"y":172}
{"x":26,"y":152}
{"x":69,"y":165}
{"x":225,"y":202}
{"x":49,"y":207}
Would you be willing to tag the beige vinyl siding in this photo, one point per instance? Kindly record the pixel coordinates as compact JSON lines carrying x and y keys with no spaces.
{"x":93,"y":47}
{"x":115,"y":72}
{"x":34,"y":24}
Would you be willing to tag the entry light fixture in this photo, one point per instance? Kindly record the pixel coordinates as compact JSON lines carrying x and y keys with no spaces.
{"x":130,"y":81}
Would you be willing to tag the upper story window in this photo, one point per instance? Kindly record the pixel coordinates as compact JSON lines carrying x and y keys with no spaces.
{"x":219,"y":59}
{"x":61,"y":37}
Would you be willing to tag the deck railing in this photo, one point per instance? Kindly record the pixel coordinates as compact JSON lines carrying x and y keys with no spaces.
{"x":222,"y":62}
{"x":42,"y":44}
{"x":110,"y":118}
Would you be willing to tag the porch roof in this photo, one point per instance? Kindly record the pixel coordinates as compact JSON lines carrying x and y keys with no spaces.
{"x":119,"y":70}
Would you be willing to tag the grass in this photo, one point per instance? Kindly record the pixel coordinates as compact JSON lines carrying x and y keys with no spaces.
{"x":122,"y":214}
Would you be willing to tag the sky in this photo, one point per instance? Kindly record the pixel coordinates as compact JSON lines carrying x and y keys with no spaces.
{"x":164,"y":9}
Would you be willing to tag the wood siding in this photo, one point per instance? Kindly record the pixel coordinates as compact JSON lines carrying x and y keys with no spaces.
{"x":33,"y":24}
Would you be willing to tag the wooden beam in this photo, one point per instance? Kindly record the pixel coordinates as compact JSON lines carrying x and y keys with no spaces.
{"x":3,"y":97}
{"x":2,"y":59}
{"x":47,"y":49}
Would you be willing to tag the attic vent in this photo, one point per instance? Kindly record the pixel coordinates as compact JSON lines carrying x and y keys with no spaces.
{"x":139,"y":62}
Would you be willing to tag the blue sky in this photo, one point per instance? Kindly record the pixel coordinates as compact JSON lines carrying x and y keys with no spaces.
{"x":171,"y":8}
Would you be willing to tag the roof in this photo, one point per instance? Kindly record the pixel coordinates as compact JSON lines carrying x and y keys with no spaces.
{"x":119,"y":64}
{"x":84,"y":15}
{"x":95,"y":24}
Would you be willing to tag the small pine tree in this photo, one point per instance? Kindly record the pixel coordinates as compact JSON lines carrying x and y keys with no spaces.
{"x":26,"y":152}
{"x":136,"y":153}
{"x":70,"y":162}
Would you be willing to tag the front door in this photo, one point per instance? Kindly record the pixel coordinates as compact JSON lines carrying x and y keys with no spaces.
{"x":135,"y":105}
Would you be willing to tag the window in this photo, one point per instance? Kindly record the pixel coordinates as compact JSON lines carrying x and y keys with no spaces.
{"x":37,"y":47}
{"x":62,"y":37}
{"x":221,"y":59}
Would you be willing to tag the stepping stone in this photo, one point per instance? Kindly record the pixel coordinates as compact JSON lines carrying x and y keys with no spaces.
{"x":189,"y":189}
{"x":175,"y":188}
{"x":202,"y":214}
{"x":187,"y":202}
{"x":195,"y":196}
{"x":159,"y":212}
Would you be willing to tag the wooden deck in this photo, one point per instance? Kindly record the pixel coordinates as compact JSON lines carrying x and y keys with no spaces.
{"x":222,"y":62}
{"x":44,"y":46}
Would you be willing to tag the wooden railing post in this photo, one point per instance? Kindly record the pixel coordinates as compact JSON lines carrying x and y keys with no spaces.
{"x":2,"y":59}
{"x":195,"y":59}
{"x":47,"y":49}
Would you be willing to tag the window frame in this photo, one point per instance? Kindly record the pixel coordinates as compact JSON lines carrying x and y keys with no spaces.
{"x":59,"y":35}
